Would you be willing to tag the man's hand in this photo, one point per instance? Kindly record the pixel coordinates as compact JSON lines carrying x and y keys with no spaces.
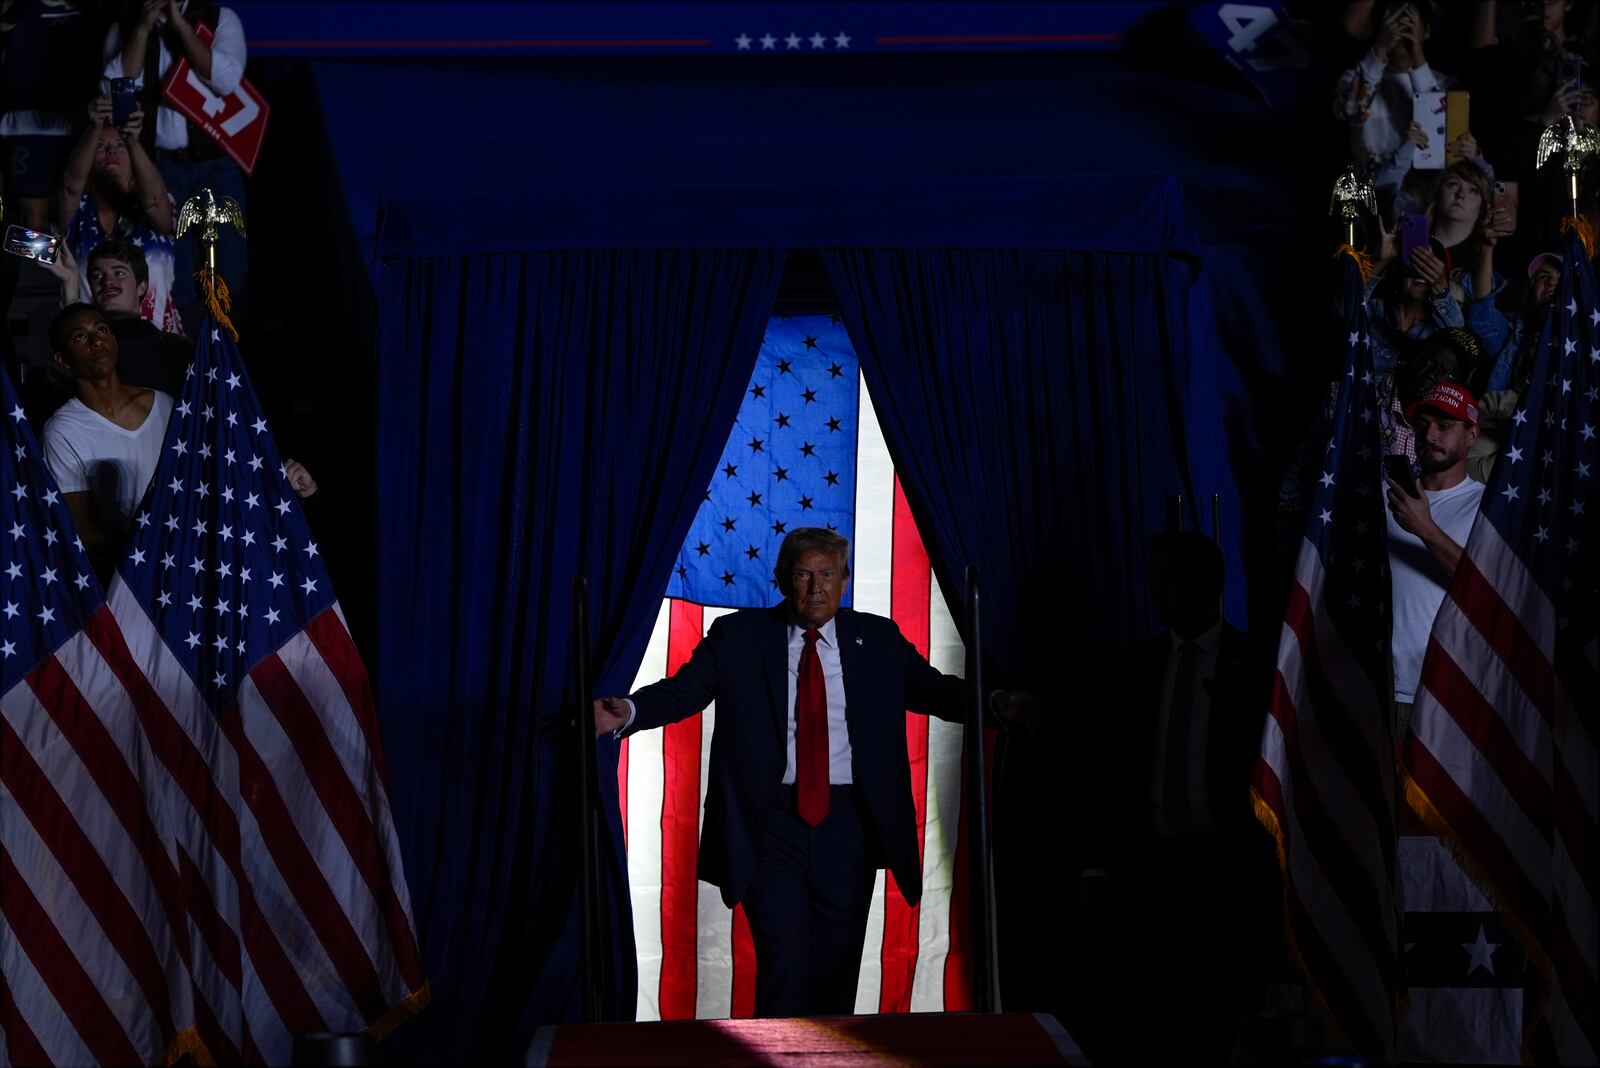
{"x":150,"y":12}
{"x":1019,"y":711}
{"x":300,"y":479}
{"x":1412,"y":513}
{"x":1389,"y":33}
{"x":1430,"y":269}
{"x":174,"y":12}
{"x":610,"y":715}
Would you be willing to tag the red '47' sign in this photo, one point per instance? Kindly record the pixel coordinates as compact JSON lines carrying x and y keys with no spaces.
{"x":237,"y":121}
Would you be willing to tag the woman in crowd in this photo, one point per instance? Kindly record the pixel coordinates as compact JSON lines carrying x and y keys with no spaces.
{"x":111,"y":187}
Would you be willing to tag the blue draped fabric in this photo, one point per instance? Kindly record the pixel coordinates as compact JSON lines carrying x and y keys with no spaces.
{"x":544,"y":415}
{"x":1041,"y":407}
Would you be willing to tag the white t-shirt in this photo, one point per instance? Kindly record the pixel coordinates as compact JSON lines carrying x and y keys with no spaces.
{"x":1418,"y":579}
{"x":86,"y":451}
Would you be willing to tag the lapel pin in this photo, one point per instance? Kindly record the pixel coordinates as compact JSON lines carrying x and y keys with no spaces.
{"x":858,"y":641}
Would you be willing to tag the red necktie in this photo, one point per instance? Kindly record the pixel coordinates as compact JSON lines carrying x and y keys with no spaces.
{"x":811,"y":735}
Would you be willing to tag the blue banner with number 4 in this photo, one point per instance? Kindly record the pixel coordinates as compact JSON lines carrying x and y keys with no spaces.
{"x":1259,"y":41}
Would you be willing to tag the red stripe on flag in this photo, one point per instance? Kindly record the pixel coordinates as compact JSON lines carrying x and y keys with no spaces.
{"x":104,"y":762}
{"x":1498,"y":625}
{"x":39,"y":802}
{"x":680,"y":830}
{"x":910,"y":588}
{"x":327,"y":632}
{"x":345,"y":812}
{"x":744,"y":967}
{"x":191,"y":773}
{"x":958,"y":961}
{"x":61,"y":970}
{"x":306,"y":882}
{"x":21,"y":1044}
{"x":622,"y":788}
{"x":1362,"y":898}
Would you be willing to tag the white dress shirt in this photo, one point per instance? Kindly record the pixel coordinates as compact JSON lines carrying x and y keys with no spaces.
{"x":1205,"y":669}
{"x":839,"y":773}
{"x":228,"y":55}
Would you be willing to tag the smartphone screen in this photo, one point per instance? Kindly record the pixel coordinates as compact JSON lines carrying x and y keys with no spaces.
{"x":1413,"y":235}
{"x":124,"y":98}
{"x":1398,"y":468}
{"x":30,"y":244}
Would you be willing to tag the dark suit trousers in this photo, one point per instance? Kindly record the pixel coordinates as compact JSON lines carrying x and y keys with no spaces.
{"x":808,"y":908}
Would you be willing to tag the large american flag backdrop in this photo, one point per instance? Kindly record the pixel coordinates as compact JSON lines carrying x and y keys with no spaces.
{"x":208,"y":864}
{"x":1502,"y":752}
{"x":806,"y":450}
{"x":1325,"y":784}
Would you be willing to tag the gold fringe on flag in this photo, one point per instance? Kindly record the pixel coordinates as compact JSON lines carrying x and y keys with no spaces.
{"x":1363,"y":261}
{"x":413,"y":1003}
{"x":1585,"y":230}
{"x":218,"y":299}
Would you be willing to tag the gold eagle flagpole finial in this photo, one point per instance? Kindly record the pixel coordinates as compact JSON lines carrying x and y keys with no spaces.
{"x":209,"y":213}
{"x":1352,"y":191}
{"x":1575,"y":141}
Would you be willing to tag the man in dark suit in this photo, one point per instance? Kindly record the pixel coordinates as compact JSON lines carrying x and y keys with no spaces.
{"x":1178,"y":873}
{"x":810,"y":783}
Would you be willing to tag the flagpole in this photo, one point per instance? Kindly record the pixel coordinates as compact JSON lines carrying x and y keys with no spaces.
{"x":591,"y":964}
{"x":985,"y":941}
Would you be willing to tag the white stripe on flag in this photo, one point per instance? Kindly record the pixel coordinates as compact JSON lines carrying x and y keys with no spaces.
{"x":714,"y":934}
{"x":946,"y":653}
{"x":645,"y":788}
{"x":40,"y":1011}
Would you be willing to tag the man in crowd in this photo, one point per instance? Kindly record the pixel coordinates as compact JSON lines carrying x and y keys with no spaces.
{"x":146,"y":355}
{"x":1179,"y":883}
{"x":102,"y":446}
{"x":1428,"y":525}
{"x":810,"y":786}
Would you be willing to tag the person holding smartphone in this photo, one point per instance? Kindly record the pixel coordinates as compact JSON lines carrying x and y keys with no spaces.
{"x":1428,"y":528}
{"x":111,"y":188}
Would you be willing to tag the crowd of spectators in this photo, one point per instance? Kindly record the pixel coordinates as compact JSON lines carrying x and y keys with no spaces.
{"x":1465,"y":251}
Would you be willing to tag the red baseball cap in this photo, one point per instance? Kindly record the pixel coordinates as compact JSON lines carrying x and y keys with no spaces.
{"x":1448,"y":398}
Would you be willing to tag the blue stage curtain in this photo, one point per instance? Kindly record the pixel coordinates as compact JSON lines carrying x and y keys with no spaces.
{"x":542,"y":415}
{"x":1036,"y":404}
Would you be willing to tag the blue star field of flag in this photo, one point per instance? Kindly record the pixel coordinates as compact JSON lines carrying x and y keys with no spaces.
{"x":221,"y":556}
{"x":790,"y":462}
{"x":1348,"y":523}
{"x":49,"y":588}
{"x":1541,"y":495}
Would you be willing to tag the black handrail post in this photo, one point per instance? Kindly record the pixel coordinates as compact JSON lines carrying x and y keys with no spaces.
{"x":1216,"y":518}
{"x":591,"y":960}
{"x":985,"y":944}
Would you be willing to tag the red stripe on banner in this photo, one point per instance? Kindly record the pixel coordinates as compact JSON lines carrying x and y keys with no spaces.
{"x":744,"y":967}
{"x":622,"y":788}
{"x":300,"y":873}
{"x":21,"y":1044}
{"x":680,"y":830}
{"x":190,"y":771}
{"x":61,"y":970}
{"x":1321,"y":834}
{"x":327,"y":632}
{"x":1499,"y":626}
{"x":958,"y":962}
{"x":910,"y":588}
{"x":342,"y":805}
{"x":42,"y":806}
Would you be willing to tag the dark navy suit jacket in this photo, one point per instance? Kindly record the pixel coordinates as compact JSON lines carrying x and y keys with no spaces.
{"x":743,"y":665}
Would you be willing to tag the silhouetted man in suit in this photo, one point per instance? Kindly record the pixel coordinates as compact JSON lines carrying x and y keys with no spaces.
{"x":810,"y":785}
{"x":1178,"y":873}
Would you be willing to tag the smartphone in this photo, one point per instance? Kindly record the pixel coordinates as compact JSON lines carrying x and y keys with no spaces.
{"x":1428,"y":111}
{"x":124,"y":99}
{"x":1413,"y":235}
{"x":1506,"y":202}
{"x":30,"y":244}
{"x":1569,"y":72}
{"x":1456,"y":109}
{"x":1398,"y":468}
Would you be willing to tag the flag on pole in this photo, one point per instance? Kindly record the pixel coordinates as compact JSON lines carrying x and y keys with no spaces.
{"x":97,"y":953}
{"x":1324,"y":786}
{"x":259,"y":718}
{"x":1502,"y":753}
{"x":806,"y":450}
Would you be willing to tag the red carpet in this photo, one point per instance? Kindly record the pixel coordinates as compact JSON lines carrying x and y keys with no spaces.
{"x":902,"y":1040}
